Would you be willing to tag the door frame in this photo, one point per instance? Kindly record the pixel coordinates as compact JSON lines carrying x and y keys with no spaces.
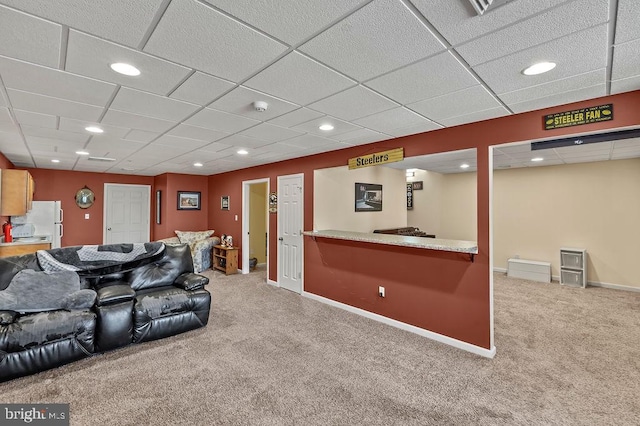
{"x":246,"y":206}
{"x":301,"y":176}
{"x":105,"y":209}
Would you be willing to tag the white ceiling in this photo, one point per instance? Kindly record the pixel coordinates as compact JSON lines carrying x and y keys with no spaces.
{"x":374,"y":69}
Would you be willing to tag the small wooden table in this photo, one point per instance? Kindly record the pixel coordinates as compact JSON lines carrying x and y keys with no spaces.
{"x":225,"y":259}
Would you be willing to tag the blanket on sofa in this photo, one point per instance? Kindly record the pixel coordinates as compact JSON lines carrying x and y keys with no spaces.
{"x":98,"y":258}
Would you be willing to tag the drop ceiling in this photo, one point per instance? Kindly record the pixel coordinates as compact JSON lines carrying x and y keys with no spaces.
{"x":374,"y":69}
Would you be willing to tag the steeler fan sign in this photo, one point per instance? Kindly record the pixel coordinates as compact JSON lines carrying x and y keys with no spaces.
{"x":578,"y":117}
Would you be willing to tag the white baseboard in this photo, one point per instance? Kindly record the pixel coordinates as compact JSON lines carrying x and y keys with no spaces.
{"x":589,"y":283}
{"x":273,"y":283}
{"x":488,"y":353}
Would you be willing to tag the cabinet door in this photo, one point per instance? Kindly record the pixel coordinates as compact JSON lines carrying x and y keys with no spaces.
{"x":17,"y":192}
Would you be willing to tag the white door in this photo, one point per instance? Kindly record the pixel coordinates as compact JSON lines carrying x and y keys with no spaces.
{"x":290,"y":215}
{"x":126,"y":213}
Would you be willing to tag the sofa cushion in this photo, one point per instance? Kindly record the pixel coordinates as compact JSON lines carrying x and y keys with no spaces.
{"x":36,"y":291}
{"x":188,"y":237}
{"x":163,"y":272}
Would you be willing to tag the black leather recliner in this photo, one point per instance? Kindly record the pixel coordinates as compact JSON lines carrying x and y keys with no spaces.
{"x":142,"y":301}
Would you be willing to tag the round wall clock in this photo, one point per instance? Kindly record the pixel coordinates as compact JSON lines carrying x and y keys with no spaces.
{"x":85,"y":198}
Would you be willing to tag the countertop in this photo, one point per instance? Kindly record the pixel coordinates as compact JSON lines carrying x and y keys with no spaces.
{"x":38,"y":239}
{"x":459,"y":246}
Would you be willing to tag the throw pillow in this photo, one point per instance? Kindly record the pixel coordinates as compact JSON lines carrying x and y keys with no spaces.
{"x":187,"y":237}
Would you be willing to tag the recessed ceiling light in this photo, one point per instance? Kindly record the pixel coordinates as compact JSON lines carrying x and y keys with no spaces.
{"x":82,"y":153}
{"x":243,"y":152}
{"x":126,"y":69}
{"x":464,"y":166}
{"x":197,"y":164}
{"x":55,"y":161}
{"x":539,"y":68}
{"x":94,"y":129}
{"x":326,"y":127}
{"x":537,"y":159}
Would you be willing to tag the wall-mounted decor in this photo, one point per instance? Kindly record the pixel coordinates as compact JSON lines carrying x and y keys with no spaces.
{"x":85,"y":198}
{"x":188,"y":200}
{"x":368,"y":197}
{"x":224,"y":202}
{"x":417,"y":185}
{"x":273,"y":202}
{"x":409,"y":196}
{"x":158,"y":204}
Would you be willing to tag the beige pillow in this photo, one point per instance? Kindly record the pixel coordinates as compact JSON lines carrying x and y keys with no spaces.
{"x":187,"y":237}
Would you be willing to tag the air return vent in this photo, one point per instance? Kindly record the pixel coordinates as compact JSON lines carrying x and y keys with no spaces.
{"x":481,"y":6}
{"x":104,"y":159}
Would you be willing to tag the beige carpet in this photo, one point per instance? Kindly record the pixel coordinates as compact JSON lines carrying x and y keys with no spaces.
{"x":566,"y":356}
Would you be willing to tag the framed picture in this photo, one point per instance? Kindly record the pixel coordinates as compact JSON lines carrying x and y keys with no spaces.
{"x":409,"y":196}
{"x":188,"y":200}
{"x":224,"y":202}
{"x":158,"y":204}
{"x":273,"y":202}
{"x":368,"y":197}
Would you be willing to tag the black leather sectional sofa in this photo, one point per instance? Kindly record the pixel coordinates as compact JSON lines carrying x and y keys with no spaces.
{"x":61,"y":305}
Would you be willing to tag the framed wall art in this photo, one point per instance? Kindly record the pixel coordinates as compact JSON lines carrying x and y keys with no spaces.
{"x":188,"y":200}
{"x":224,"y":202}
{"x":368,"y":197}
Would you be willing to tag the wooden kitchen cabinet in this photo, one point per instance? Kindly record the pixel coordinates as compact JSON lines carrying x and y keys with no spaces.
{"x":9,"y":249}
{"x":16,"y":196}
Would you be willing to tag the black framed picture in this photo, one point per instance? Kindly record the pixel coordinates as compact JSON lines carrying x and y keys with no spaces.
{"x":368,"y":197}
{"x":158,"y":204}
{"x":224,"y":202}
{"x":188,"y":200}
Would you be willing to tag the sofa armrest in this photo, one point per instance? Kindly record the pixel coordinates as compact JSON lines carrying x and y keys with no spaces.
{"x":190,"y":281}
{"x":170,"y":240}
{"x":7,"y":317}
{"x":112,"y":294}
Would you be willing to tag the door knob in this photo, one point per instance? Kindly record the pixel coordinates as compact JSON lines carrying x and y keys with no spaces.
{"x":108,"y":229}
{"x":280,"y":239}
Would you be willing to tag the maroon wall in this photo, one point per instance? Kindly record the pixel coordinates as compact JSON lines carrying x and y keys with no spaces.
{"x":437,"y":291}
{"x":173,"y":219}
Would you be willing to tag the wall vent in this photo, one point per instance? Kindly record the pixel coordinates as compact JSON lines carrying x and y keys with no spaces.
{"x":105,"y":159}
{"x":481,"y":6}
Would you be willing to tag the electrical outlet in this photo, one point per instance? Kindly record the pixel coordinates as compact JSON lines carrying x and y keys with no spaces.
{"x":381,"y":292}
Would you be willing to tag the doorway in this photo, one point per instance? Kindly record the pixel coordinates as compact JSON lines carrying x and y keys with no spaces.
{"x":290,"y":223}
{"x":126,"y":213}
{"x":255,"y":223}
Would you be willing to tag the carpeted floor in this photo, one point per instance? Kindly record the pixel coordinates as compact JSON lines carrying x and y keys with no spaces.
{"x":565,"y":356}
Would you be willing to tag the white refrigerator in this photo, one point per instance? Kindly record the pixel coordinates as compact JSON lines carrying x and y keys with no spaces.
{"x":46,"y":218}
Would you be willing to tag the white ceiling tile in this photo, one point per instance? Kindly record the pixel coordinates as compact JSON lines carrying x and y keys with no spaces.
{"x":412,"y":130}
{"x":5,"y":117}
{"x":213,"y":150}
{"x":380,"y":37}
{"x":626,"y":61}
{"x":123,"y":21}
{"x":299,"y":79}
{"x":308,"y":141}
{"x":587,"y":158}
{"x":167,"y":152}
{"x":560,"y":98}
{"x":289,"y":21}
{"x":535,"y":30}
{"x":92,"y":57}
{"x":201,"y":37}
{"x":49,"y":145}
{"x":29,"y":38}
{"x":200,"y":133}
{"x":625,"y":85}
{"x":628,"y":22}
{"x":201,"y":89}
{"x":455,"y":104}
{"x":35,"y":119}
{"x":78,"y":126}
{"x":7,"y":127}
{"x":141,"y":136}
{"x":147,"y":104}
{"x":3,"y":102}
{"x":431,"y":77}
{"x":111,"y":147}
{"x":396,"y":118}
{"x":221,"y":121}
{"x":53,"y":106}
{"x":475,"y":116}
{"x":12,"y":143}
{"x":270,"y":133}
{"x":353,"y":103}
{"x":134,"y":121}
{"x":168,"y":140}
{"x":313,"y":126}
{"x":361,"y":136}
{"x":55,"y":134}
{"x":627,"y":143}
{"x":458,"y":22}
{"x":625,"y":154}
{"x":240,"y":102}
{"x":296,"y":117}
{"x":554,"y":87}
{"x":574,"y":54}
{"x":52,"y":82}
{"x":239,"y":141}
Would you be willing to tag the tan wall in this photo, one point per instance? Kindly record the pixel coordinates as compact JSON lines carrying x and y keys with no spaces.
{"x":334,"y":199}
{"x":426,"y":203}
{"x":258,"y":221}
{"x":590,"y":205}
